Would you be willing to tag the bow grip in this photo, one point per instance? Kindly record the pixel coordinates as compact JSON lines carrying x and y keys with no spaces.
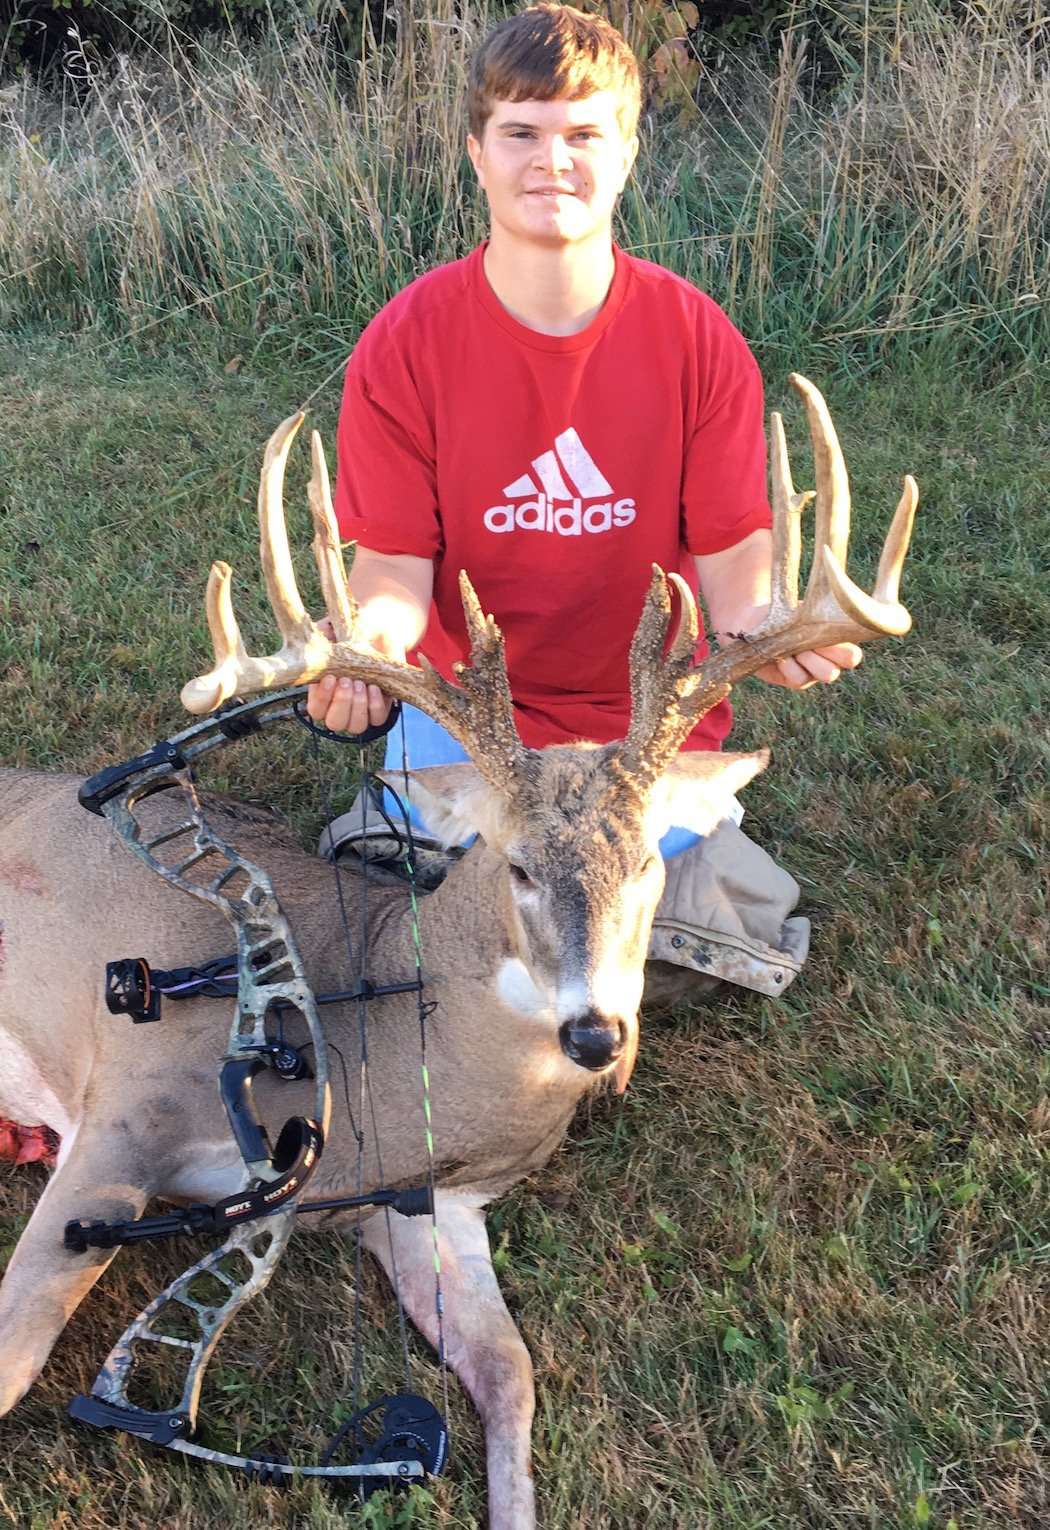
{"x":235,"y":1090}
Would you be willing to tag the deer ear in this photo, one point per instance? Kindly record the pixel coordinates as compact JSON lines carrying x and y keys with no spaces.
{"x":696,"y":789}
{"x":453,"y":801}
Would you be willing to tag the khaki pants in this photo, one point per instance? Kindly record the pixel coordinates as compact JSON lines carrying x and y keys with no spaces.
{"x":724,"y":917}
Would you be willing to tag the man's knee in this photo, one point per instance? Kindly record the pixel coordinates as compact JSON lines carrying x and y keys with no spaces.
{"x":726,"y":916}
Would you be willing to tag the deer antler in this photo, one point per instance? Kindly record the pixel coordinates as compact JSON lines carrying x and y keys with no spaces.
{"x":668,"y":694}
{"x":478,"y":712}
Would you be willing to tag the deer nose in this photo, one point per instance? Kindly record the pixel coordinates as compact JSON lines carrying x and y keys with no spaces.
{"x":592,"y":1040}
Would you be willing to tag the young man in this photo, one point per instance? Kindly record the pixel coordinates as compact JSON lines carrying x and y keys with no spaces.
{"x":555,"y":416}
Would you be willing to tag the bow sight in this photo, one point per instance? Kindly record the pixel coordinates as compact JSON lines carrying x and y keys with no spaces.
{"x":268,"y":980}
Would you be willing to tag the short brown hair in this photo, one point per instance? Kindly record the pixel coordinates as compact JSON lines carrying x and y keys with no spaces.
{"x":553,"y":52}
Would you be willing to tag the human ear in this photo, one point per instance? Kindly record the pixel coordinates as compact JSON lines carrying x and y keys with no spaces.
{"x":475,"y":151}
{"x":630,"y":154}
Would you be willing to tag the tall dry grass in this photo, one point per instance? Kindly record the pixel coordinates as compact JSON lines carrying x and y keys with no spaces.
{"x":280,"y":191}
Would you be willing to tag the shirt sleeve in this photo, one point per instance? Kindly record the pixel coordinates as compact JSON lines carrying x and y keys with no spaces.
{"x":724,"y":495}
{"x":386,"y":479}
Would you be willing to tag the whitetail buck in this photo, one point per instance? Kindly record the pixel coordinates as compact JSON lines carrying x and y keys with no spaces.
{"x":535,"y":944}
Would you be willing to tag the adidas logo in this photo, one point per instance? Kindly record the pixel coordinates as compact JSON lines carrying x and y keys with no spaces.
{"x":567,"y":477}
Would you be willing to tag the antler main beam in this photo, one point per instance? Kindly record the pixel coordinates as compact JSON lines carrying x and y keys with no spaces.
{"x":478,"y":712}
{"x":669,"y":694}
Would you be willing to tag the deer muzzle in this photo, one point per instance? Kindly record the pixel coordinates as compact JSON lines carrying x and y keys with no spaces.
{"x":592,"y":1039}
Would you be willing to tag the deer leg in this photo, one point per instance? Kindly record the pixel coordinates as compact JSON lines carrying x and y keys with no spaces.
{"x":44,"y":1283}
{"x":482,"y":1345}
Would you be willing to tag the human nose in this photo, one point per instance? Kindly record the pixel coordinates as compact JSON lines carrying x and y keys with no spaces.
{"x":553,"y":153}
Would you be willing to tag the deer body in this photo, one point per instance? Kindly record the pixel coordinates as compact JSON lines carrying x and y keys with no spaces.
{"x":139,"y":1112}
{"x":137,"y":1106}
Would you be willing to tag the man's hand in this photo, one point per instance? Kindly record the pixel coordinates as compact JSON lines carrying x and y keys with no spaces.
{"x":347,"y":706}
{"x":350,"y":706}
{"x":393,"y":598}
{"x":735,"y":586}
{"x":817,"y":666}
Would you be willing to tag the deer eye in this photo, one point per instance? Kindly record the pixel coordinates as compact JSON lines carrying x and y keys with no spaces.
{"x":520,"y":875}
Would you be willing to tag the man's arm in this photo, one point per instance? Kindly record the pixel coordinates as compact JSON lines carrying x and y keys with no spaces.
{"x":393,"y":594}
{"x":735,"y":585}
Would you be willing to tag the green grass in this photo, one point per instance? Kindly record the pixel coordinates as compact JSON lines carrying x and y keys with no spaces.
{"x":799,"y":1276}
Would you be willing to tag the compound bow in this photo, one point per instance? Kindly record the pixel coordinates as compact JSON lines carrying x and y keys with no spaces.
{"x":257,"y":1221}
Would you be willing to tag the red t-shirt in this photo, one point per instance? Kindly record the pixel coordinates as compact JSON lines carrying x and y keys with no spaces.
{"x":556,"y":470}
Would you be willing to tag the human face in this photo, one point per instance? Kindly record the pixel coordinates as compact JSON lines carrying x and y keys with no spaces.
{"x":552,"y":170}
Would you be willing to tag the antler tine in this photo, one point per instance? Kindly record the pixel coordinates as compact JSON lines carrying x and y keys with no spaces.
{"x":891,"y":564}
{"x":292,"y":619}
{"x":787,"y":520}
{"x":646,"y":656}
{"x":494,"y":744}
{"x":832,"y":494}
{"x":339,"y":603}
{"x":222,"y":623}
{"x":482,"y":630}
{"x":208,"y":691}
{"x":658,"y":681}
{"x":683,"y":645}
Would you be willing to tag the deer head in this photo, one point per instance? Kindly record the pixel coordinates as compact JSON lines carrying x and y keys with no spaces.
{"x":581,"y":876}
{"x":575,"y":827}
